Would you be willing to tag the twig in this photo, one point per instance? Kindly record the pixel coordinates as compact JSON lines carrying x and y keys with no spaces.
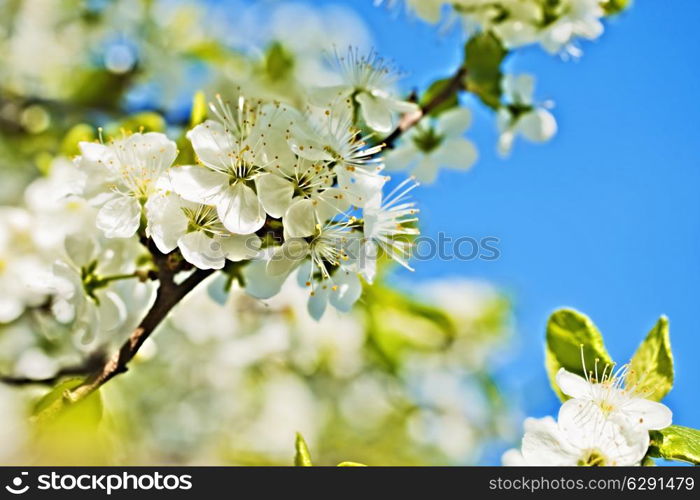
{"x":89,"y":365}
{"x":454,"y":85}
{"x":168,"y":295}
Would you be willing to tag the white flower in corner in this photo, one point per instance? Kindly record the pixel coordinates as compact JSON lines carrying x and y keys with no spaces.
{"x":520,"y":116}
{"x":197,"y":231}
{"x":594,"y":441}
{"x":607,"y":394}
{"x":435,"y":143}
{"x":369,"y":83}
{"x":129,"y":170}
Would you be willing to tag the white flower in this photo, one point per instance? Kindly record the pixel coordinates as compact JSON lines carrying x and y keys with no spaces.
{"x":368,"y":82}
{"x":232,"y":155}
{"x":388,"y":225}
{"x":332,"y":137}
{"x":78,"y":299}
{"x":607,"y":394}
{"x":197,"y":231}
{"x":303,"y":197}
{"x":342,"y":289}
{"x":594,"y":441}
{"x":258,"y":281}
{"x":520,"y":116}
{"x":436,"y":143}
{"x":575,"y":18}
{"x":127,"y":171}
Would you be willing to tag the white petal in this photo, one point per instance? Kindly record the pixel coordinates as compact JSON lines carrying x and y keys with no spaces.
{"x":80,"y":248}
{"x":300,"y":219}
{"x":359,"y":185}
{"x":544,"y":444}
{"x":375,"y":112}
{"x":152,"y":150}
{"x":201,"y":251}
{"x":456,"y":153}
{"x":259,"y":283}
{"x":404,"y":156}
{"x":275,"y":194}
{"x":112,"y":311}
{"x":513,"y":458}
{"x":647,"y":414}
{"x":330,"y":203}
{"x":119,"y":218}
{"x":426,"y":171}
{"x":537,"y":126}
{"x":287,"y":257}
{"x":573,"y":385}
{"x":348,"y":290}
{"x":318,"y":301}
{"x":96,"y":157}
{"x":240,"y":209}
{"x":454,"y":122}
{"x":212,"y":143}
{"x":10,"y":309}
{"x":166,"y":220}
{"x":239,"y":247}
{"x":198,"y":184}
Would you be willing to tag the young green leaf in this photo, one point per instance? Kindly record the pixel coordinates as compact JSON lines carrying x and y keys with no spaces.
{"x":199,"y":108}
{"x":302,"y":457}
{"x":351,"y":464}
{"x":483,"y":56}
{"x":568,"y":332}
{"x":435,"y":89}
{"x":676,"y":443}
{"x":651,"y":368}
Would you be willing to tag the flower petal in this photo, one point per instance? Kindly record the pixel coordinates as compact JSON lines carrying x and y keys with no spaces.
{"x":275,"y":194}
{"x":545,"y":444}
{"x":537,"y":126}
{"x":198,"y":184}
{"x":454,"y":122}
{"x":375,"y":112}
{"x":239,"y":247}
{"x":120,"y":217}
{"x":456,"y":153}
{"x":348,"y":290}
{"x":318,"y":301}
{"x":647,"y":414}
{"x":166,"y":220}
{"x":201,"y":251}
{"x":287,"y":257}
{"x":426,"y":171}
{"x":213,"y":144}
{"x":573,"y":385}
{"x":240,"y":209}
{"x":300,"y":219}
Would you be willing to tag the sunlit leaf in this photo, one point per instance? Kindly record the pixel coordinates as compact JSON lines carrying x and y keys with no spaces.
{"x":568,"y":333}
{"x":302,"y":457}
{"x":483,"y":56}
{"x":676,"y":443}
{"x":651,"y":368}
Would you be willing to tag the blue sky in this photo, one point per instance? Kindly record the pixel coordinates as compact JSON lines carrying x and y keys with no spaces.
{"x":605,"y":218}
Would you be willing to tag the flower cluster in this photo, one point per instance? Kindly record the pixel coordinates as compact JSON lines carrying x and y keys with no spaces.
{"x":274,"y":190}
{"x":603,"y":423}
{"x":556,"y":25}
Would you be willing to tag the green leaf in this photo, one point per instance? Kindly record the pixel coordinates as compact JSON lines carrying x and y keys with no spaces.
{"x":483,"y":56}
{"x":87,"y":412}
{"x":78,"y":133}
{"x":612,"y":7}
{"x":651,"y":368}
{"x":278,"y":62}
{"x":351,"y":464}
{"x":436,"y":88}
{"x":302,"y":457}
{"x":676,"y":443}
{"x":568,"y":332}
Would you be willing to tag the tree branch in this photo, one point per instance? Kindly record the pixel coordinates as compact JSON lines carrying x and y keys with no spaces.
{"x":168,"y":295}
{"x":454,"y":85}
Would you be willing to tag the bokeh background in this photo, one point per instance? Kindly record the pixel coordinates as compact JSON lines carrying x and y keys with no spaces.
{"x":436,"y":366}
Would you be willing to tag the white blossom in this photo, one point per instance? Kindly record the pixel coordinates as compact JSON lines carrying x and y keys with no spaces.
{"x":435,"y":143}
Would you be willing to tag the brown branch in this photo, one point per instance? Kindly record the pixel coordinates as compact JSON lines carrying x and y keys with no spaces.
{"x":93,"y":362}
{"x":168,"y":295}
{"x":454,"y":85}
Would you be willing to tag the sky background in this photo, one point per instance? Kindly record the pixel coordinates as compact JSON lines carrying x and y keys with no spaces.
{"x":605,"y":218}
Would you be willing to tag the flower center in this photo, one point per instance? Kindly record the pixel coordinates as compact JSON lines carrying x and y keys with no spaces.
{"x":427,"y":139}
{"x":593,"y":458}
{"x":203,"y":218}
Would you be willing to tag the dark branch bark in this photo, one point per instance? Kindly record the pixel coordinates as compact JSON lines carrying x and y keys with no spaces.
{"x":455,"y":84}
